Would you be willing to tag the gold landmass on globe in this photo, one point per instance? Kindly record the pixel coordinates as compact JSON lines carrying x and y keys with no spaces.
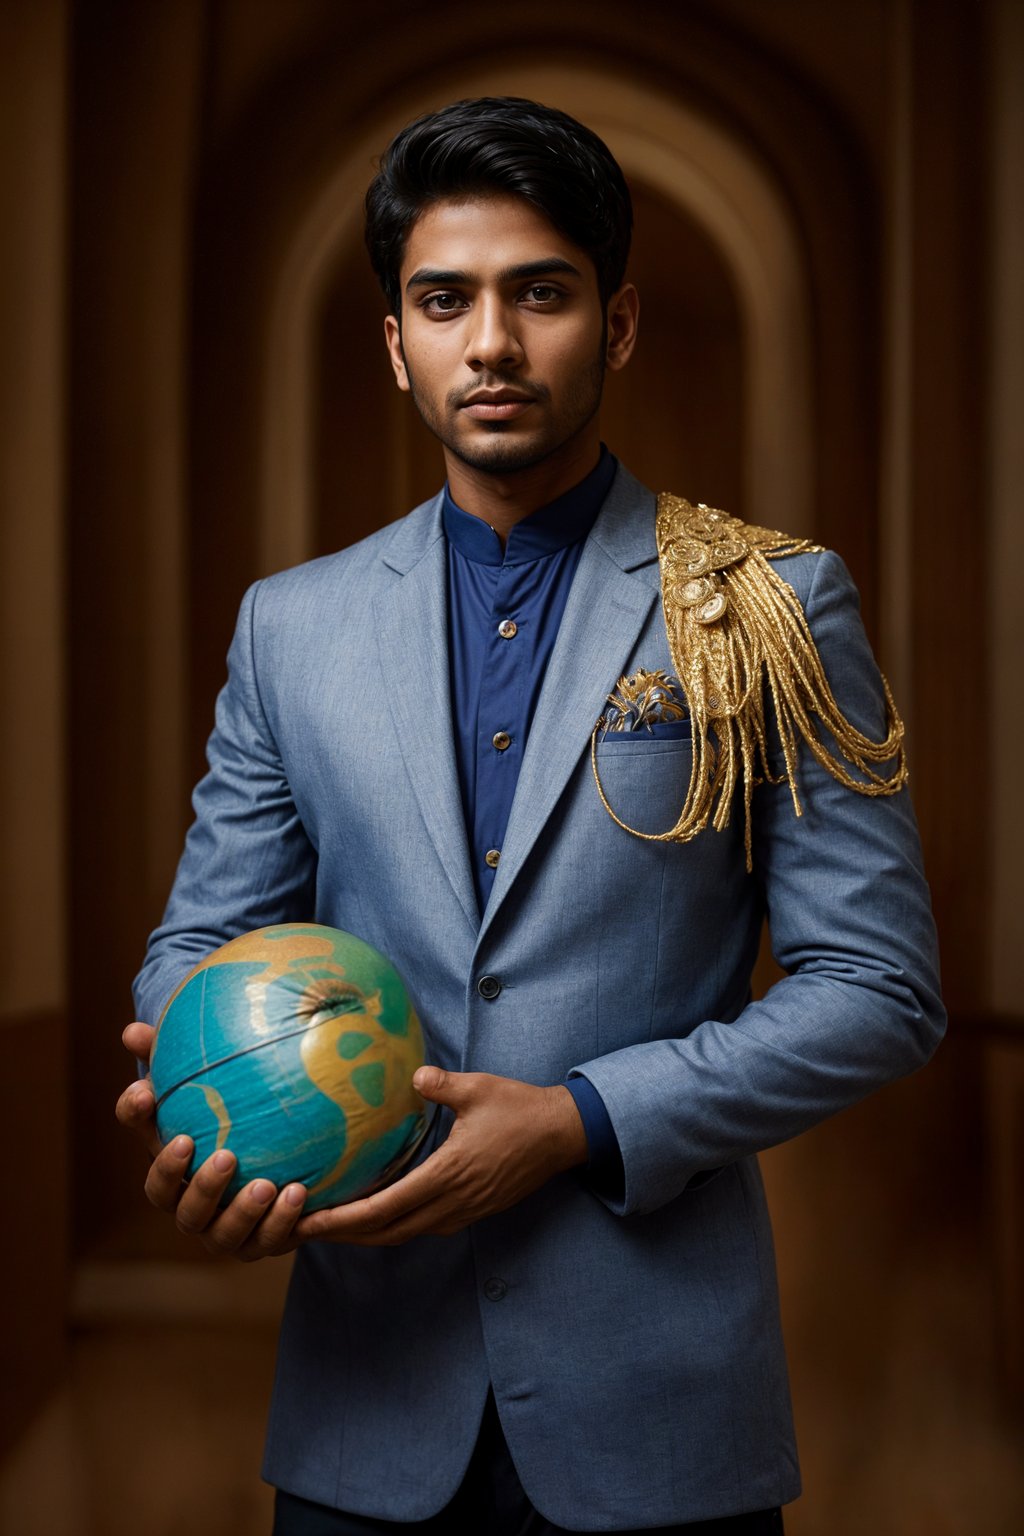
{"x":392,"y":1060}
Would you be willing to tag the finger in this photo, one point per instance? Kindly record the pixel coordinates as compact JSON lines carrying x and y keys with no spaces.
{"x":136,"y":1104}
{"x":275,"y":1234}
{"x":438,"y":1218}
{"x":199,"y":1203}
{"x":227,"y":1230}
{"x":138,"y":1038}
{"x":167,"y":1173}
{"x":136,"y":1110}
{"x":365,"y":1218}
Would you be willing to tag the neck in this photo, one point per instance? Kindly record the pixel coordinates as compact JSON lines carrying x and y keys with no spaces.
{"x":504,"y":500}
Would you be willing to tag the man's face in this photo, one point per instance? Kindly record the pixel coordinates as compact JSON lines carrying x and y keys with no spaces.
{"x":503,"y":339}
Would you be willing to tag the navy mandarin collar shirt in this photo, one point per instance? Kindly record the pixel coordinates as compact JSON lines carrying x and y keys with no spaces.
{"x":504,"y":610}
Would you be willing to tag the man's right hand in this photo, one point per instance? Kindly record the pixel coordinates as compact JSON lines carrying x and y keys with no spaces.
{"x":256,"y":1224}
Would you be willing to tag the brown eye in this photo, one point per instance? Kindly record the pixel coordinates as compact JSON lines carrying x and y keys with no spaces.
{"x":442,"y":303}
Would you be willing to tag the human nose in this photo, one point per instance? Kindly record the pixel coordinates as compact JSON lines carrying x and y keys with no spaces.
{"x":492,"y":341}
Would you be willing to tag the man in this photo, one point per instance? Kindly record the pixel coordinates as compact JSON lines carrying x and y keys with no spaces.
{"x":564,"y":1317}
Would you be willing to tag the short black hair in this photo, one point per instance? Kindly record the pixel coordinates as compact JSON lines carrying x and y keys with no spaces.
{"x":509,"y":146}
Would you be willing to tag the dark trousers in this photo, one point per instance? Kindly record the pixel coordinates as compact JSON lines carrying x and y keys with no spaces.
{"x":490,"y":1502}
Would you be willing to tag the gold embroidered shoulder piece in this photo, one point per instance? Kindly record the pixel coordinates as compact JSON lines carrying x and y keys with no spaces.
{"x":736,"y":630}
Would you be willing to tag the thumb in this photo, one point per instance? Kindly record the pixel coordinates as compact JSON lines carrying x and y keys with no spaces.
{"x":441,"y":1087}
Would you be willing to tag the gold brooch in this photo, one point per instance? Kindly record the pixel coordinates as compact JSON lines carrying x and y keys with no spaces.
{"x":646,"y":699}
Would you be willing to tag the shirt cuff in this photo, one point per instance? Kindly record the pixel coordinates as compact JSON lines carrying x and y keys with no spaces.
{"x":604,"y":1159}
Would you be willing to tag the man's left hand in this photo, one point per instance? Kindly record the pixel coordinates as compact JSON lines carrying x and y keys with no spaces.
{"x":507,"y":1140}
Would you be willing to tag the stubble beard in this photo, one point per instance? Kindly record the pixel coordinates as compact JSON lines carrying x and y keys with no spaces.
{"x":502,"y":453}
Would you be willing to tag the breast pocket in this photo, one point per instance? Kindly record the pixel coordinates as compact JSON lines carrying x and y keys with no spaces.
{"x":645,"y":778}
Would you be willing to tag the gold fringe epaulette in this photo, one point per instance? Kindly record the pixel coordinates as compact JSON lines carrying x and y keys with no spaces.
{"x":738,"y":634}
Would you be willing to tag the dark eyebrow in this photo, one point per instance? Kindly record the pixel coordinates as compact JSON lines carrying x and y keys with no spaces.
{"x":430,"y":277}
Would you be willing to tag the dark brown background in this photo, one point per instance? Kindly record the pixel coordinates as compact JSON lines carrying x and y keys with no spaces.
{"x":193,"y":389}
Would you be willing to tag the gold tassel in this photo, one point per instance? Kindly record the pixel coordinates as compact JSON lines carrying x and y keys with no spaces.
{"x":734,"y":626}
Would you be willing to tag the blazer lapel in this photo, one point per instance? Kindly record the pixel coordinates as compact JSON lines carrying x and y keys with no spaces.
{"x":607,"y":609}
{"x":412,"y":632}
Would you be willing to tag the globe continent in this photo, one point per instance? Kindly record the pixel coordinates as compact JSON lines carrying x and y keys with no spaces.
{"x":294,"y":1046}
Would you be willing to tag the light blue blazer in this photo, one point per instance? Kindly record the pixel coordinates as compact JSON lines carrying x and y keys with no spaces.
{"x":633,"y":1346}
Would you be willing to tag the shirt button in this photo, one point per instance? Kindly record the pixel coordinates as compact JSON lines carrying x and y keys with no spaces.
{"x":488,"y":987}
{"x":507,"y":628}
{"x":491,"y":858}
{"x":502,"y":740}
{"x":495,"y":1289}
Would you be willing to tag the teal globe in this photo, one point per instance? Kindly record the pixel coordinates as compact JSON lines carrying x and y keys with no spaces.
{"x":294,"y":1047}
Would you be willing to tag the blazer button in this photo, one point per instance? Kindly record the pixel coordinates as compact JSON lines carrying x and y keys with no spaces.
{"x":488,"y":987}
{"x":495,"y":1289}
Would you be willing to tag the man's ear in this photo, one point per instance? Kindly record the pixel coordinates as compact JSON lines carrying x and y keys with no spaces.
{"x":393,"y":337}
{"x":623,"y":318}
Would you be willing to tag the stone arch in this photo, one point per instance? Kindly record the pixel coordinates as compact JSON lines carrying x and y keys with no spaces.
{"x":688,"y":157}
